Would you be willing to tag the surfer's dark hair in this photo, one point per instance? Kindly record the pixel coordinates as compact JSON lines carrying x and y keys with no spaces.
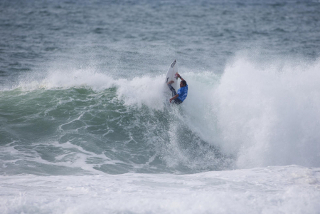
{"x":184,"y":82}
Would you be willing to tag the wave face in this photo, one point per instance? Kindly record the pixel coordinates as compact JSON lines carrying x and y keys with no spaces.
{"x":255,"y":114}
{"x":87,"y":122}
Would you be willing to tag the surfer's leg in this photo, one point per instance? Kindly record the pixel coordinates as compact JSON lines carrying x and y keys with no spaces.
{"x":172,"y":90}
{"x":177,"y":101}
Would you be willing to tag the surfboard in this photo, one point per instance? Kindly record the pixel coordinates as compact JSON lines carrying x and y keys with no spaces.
{"x":171,"y":75}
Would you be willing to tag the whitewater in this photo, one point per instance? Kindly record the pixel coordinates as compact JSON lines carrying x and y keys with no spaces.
{"x":100,"y":125}
{"x":85,"y":120}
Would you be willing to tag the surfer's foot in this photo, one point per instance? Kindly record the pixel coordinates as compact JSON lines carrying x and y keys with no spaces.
{"x":169,"y":83}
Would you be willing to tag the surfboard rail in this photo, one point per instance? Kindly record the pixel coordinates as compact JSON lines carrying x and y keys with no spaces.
{"x":173,"y":69}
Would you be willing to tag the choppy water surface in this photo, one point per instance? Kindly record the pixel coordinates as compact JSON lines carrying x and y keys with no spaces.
{"x":86,"y":123}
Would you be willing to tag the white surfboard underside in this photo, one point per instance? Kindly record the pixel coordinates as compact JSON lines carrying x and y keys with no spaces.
{"x":171,"y":75}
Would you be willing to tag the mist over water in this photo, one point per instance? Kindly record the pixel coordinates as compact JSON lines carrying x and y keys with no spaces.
{"x":85,"y":122}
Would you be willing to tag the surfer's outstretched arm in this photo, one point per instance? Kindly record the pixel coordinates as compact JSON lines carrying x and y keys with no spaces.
{"x":178,"y":75}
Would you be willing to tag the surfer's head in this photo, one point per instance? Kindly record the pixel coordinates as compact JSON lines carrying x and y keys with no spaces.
{"x":183,"y":83}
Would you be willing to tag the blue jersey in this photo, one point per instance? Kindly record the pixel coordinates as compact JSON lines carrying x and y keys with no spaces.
{"x":183,"y":92}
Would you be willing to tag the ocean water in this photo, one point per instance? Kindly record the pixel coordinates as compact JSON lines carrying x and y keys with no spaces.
{"x":86,"y":125}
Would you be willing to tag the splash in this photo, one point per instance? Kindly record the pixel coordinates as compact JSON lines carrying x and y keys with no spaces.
{"x":268,"y":114}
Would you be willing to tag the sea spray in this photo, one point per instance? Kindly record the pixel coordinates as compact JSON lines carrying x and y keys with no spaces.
{"x":269,"y":115}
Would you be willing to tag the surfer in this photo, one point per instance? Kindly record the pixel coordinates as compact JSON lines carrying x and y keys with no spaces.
{"x":179,"y":97}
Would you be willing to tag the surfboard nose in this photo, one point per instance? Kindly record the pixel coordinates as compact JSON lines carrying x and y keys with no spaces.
{"x":174,"y":62}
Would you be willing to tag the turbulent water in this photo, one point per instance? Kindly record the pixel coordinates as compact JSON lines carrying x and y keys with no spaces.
{"x":85,"y":120}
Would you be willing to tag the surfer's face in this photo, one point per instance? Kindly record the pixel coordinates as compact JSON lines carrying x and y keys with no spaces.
{"x":181,"y":84}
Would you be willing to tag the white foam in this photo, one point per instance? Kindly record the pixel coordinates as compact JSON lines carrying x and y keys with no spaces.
{"x":260,"y":190}
{"x":138,"y":91}
{"x":142,"y":90}
{"x":269,"y":115}
{"x":262,"y":113}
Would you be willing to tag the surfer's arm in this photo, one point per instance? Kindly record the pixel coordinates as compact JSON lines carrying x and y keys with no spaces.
{"x":179,"y":76}
{"x":174,"y":97}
